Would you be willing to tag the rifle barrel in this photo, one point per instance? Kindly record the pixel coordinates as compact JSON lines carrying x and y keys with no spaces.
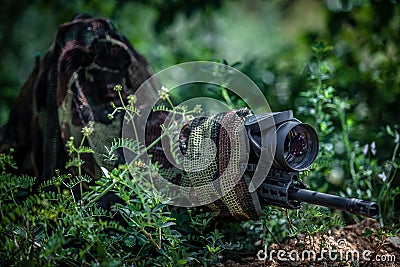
{"x":353,"y":205}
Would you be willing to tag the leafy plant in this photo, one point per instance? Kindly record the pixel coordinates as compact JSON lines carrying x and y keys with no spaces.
{"x":382,"y":235}
{"x":63,"y":223}
{"x":340,"y":149}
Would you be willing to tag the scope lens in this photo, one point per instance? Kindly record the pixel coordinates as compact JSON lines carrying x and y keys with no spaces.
{"x":297,"y":146}
{"x":297,"y":143}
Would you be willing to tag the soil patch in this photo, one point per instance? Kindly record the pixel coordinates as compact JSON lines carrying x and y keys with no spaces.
{"x":344,"y":247}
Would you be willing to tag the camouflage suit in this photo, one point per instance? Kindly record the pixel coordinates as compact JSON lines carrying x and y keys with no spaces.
{"x":73,"y":85}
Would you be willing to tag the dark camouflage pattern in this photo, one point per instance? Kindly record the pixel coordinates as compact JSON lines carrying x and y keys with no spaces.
{"x":88,"y":58}
{"x":72,"y":85}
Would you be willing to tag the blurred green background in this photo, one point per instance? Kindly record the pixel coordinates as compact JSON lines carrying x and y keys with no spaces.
{"x":272,"y":41}
{"x":269,"y":37}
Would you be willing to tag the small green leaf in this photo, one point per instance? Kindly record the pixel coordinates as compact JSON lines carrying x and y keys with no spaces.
{"x":101,"y":252}
{"x":389,"y":131}
{"x":367,"y":232}
{"x":158,"y":207}
{"x":180,"y":262}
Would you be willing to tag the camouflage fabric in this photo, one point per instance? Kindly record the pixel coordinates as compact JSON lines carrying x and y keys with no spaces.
{"x":72,"y":85}
{"x":227,"y":131}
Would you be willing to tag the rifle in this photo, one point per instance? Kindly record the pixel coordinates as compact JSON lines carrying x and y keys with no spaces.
{"x":296,"y":149}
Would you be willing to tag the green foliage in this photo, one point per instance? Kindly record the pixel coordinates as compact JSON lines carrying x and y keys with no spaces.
{"x":6,"y":160}
{"x":48,"y":228}
{"x":311,"y":221}
{"x":346,"y":85}
{"x":63,"y":224}
{"x":276,"y":225}
{"x":341,"y":152}
{"x":344,"y":166}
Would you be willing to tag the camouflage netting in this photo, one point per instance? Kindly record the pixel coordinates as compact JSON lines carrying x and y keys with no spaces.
{"x":225,"y":130}
{"x":72,"y":85}
{"x":204,"y":164}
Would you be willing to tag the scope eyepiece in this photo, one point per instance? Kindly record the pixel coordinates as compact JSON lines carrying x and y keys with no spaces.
{"x":296,"y":143}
